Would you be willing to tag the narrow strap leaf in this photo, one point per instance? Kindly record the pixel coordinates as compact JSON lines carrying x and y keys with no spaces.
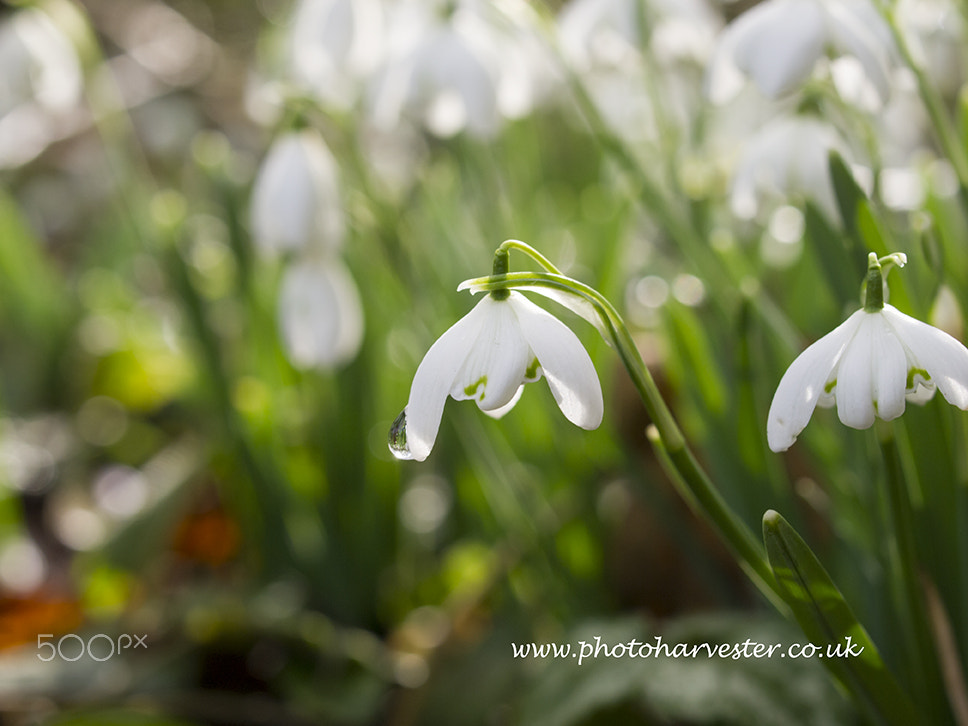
{"x":828,"y":621}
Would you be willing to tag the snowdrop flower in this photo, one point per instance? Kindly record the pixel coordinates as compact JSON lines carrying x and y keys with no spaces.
{"x":40,"y":85}
{"x":296,"y":202}
{"x":504,"y":342}
{"x":334,"y":45}
{"x":868,"y":366}
{"x":320,"y":315}
{"x":602,"y":40}
{"x":456,"y":66}
{"x":935,"y":30}
{"x":39,"y":64}
{"x":788,"y":156}
{"x":777,"y":43}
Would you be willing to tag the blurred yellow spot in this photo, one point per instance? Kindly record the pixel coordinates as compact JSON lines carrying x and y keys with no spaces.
{"x":106,"y":591}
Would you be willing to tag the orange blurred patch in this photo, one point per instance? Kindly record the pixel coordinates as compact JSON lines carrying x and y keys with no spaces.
{"x":23,"y":618}
{"x":210,"y":537}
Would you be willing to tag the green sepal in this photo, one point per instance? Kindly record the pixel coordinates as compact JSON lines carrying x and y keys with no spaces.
{"x":827,"y":620}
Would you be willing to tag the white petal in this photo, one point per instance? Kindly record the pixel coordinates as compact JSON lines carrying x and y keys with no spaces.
{"x":320,"y":315}
{"x":890,"y":370}
{"x":496,"y":364}
{"x":853,"y":30}
{"x":921,"y":394}
{"x":434,"y":377}
{"x":803,"y":383}
{"x":943,"y":357}
{"x":295,"y":198}
{"x":564,"y":361}
{"x":502,"y":410}
{"x":783,"y":46}
{"x":573,"y":301}
{"x":855,"y":375}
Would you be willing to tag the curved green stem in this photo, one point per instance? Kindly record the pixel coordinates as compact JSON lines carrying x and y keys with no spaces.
{"x":516,"y":244}
{"x":666,"y":436}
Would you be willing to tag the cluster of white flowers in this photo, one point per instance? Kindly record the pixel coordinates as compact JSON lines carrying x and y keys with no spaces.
{"x":869,"y":366}
{"x":297,"y":211}
{"x":444,"y":66}
{"x":465,"y":66}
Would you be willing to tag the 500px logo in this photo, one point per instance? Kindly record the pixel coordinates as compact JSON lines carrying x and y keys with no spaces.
{"x":106,"y":646}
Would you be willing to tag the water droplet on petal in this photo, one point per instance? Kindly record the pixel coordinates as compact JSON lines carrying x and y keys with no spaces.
{"x":397,"y":438}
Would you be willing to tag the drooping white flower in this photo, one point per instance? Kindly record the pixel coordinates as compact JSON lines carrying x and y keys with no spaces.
{"x":296,"y":202}
{"x":777,"y":44}
{"x":39,"y":64}
{"x":334,"y":45}
{"x":320,"y":315}
{"x":602,"y":40}
{"x":935,"y":32}
{"x":40,"y":85}
{"x":456,"y":66}
{"x":868,"y":366}
{"x":787,"y":157}
{"x":488,"y":356}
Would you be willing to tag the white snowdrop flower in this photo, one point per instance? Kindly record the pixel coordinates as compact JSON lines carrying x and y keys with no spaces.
{"x":39,"y":64}
{"x":320,"y":314}
{"x":334,"y":45}
{"x":935,"y":31}
{"x":777,"y":44}
{"x":458,"y":66}
{"x":440,"y":70}
{"x":607,"y":32}
{"x":40,"y":85}
{"x":602,"y":40}
{"x":488,"y":356}
{"x":296,"y":201}
{"x":787,"y":157}
{"x":868,"y":366}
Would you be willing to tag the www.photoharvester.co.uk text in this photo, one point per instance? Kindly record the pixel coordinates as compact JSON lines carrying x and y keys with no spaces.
{"x":658,"y":648}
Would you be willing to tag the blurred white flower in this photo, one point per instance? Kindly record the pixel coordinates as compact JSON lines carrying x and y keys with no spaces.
{"x":320,"y":314}
{"x":602,"y":40}
{"x":488,"y":356}
{"x":607,"y":32}
{"x":868,"y":366}
{"x":462,"y":66}
{"x":935,"y":32}
{"x":777,"y":44}
{"x":334,"y":45}
{"x":296,"y":202}
{"x":787,"y":157}
{"x":40,"y":83}
{"x":39,"y":64}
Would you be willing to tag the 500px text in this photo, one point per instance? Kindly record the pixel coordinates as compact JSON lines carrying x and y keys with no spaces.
{"x":656,"y":648}
{"x":106,"y":646}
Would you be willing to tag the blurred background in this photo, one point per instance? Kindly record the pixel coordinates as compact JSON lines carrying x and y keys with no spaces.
{"x":229,"y":231}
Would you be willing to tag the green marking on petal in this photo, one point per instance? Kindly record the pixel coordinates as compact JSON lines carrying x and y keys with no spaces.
{"x":471,"y":390}
{"x":532,"y":372}
{"x":830,"y":386}
{"x":912,"y":372}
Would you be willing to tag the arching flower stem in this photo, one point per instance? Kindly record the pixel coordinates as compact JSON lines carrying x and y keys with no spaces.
{"x":688,"y":476}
